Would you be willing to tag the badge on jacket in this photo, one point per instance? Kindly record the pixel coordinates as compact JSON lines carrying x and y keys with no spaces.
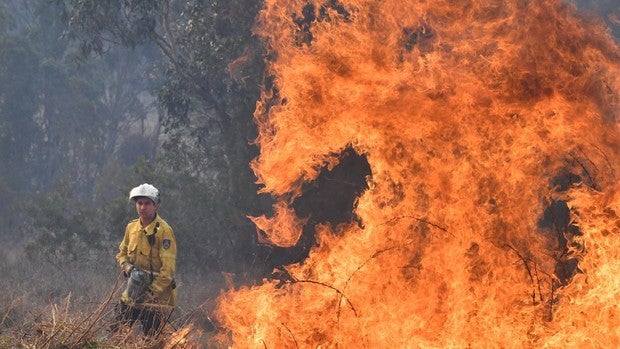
{"x":166,"y":244}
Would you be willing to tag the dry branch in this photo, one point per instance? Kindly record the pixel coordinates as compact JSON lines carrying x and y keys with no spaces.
{"x":292,"y":336}
{"x":9,"y":308}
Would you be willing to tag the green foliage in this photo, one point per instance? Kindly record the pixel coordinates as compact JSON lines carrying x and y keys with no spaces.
{"x":59,"y":119}
{"x":19,"y":133}
{"x":89,"y":131}
{"x":99,"y":23}
{"x":215,"y":63}
{"x":208,"y":92}
{"x":62,"y":228}
{"x":6,"y":21}
{"x":17,"y":102}
{"x":174,"y":97}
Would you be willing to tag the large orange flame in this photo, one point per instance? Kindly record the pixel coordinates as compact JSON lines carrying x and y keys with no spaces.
{"x":470,"y":114}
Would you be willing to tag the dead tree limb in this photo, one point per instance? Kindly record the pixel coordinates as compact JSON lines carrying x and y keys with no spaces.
{"x":527,"y":267}
{"x":585,"y":169}
{"x":291,"y":333}
{"x":421,"y":220}
{"x":611,"y":167}
{"x":340,"y":293}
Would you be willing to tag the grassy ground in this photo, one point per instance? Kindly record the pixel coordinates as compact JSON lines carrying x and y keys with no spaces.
{"x":71,"y":304}
{"x":62,"y":326}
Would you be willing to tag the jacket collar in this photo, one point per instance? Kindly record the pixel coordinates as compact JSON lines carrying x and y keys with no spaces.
{"x":153,"y":226}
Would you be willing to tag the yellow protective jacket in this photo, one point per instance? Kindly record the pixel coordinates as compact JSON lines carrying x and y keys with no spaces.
{"x":160,"y":258}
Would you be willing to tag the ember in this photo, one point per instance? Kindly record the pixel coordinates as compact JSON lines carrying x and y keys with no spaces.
{"x":490,"y":211}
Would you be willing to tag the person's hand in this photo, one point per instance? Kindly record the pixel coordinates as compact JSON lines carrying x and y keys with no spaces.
{"x":126,"y":268}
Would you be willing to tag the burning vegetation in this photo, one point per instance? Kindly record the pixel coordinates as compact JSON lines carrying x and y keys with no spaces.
{"x":464,"y":155}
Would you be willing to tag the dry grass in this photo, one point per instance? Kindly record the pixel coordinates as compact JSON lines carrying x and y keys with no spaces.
{"x":44,"y":307}
{"x":62,"y":326}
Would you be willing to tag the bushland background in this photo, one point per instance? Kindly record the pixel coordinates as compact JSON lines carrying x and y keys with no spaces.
{"x":97,"y":97}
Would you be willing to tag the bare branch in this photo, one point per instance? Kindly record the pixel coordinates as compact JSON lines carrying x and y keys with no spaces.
{"x":611,"y":167}
{"x":291,"y":333}
{"x":527,"y":267}
{"x":585,"y":170}
{"x":328,"y":286}
{"x":9,"y":308}
{"x":421,"y":220}
{"x":99,"y":312}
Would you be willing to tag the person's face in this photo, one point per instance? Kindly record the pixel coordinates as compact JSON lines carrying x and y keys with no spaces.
{"x":146,"y":209}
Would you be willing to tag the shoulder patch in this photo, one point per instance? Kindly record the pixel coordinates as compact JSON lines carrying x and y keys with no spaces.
{"x":166,"y":244}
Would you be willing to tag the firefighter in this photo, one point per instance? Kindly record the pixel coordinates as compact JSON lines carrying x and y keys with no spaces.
{"x":147,"y":257}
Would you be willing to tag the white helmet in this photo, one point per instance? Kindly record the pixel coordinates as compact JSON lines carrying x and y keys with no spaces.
{"x":145,"y":190}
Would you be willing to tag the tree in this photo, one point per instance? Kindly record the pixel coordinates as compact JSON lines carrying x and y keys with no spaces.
{"x":63,"y":116}
{"x":209,"y":90}
{"x":215,"y":65}
{"x":18,"y":129}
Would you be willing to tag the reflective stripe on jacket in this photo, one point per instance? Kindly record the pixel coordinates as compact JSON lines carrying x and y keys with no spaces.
{"x":160,"y":258}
